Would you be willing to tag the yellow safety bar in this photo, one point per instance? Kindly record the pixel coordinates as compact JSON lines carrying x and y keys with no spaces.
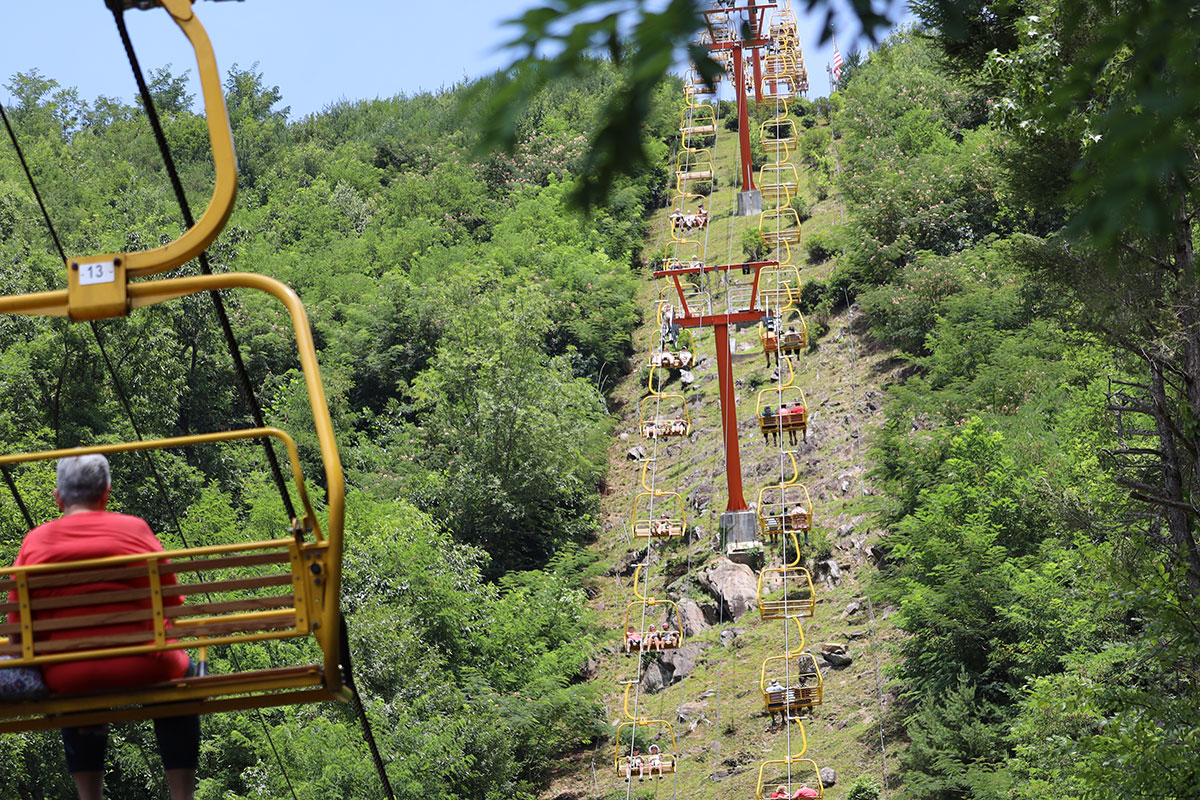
{"x":645,"y":418}
{"x":783,"y":217}
{"x":803,"y":604}
{"x":642,"y":722}
{"x":309,"y":523}
{"x":780,"y":519}
{"x":788,"y":342}
{"x":785,"y":766}
{"x":666,"y":525}
{"x":96,"y":284}
{"x":646,"y":603}
{"x":697,"y":120}
{"x":147,"y":293}
{"x":807,"y":685}
{"x":779,"y":287}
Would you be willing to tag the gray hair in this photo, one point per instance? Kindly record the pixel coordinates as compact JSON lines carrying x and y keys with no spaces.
{"x":82,"y":479}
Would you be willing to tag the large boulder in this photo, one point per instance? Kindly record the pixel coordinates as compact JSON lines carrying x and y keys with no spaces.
{"x":835,"y":655}
{"x":670,"y":667}
{"x":828,"y":777}
{"x":682,"y":661}
{"x":733,"y":585}
{"x":691,"y":617}
{"x":655,"y":677}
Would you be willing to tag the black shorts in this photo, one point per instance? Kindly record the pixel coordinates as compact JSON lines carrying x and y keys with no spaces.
{"x":178,"y":744}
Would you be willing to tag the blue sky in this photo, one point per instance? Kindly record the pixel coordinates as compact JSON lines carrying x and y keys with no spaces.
{"x":316,"y":52}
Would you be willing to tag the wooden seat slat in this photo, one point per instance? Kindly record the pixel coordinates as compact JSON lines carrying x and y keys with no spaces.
{"x":147,"y":614}
{"x":181,"y":633}
{"x":132,"y":595}
{"x":68,"y":577}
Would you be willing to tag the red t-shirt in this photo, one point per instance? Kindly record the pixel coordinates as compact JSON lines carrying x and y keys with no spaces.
{"x":97,"y":534}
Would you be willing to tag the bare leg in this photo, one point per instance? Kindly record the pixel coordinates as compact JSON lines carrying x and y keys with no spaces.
{"x":90,"y":785}
{"x":182,"y":783}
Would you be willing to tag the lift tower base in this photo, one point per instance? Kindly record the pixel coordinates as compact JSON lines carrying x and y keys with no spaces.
{"x":739,"y":535}
{"x":749,"y":203}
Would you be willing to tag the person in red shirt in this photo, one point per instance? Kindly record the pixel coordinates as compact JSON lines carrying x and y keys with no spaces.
{"x":87,"y":530}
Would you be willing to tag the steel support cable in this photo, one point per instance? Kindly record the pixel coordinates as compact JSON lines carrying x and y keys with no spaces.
{"x":12,"y":135}
{"x":16,"y":493}
{"x":652,"y":488}
{"x":247,"y":390}
{"x":645,"y":594}
{"x":368,"y":732}
{"x":132,"y":421}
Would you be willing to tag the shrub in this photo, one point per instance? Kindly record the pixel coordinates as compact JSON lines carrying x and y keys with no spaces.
{"x":753,"y":245}
{"x":819,"y":248}
{"x":801,"y":206}
{"x":864,"y":788}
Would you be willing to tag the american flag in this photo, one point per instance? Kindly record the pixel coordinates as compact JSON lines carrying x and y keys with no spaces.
{"x":837,"y":64}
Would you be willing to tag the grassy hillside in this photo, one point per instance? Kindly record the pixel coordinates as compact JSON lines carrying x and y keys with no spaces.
{"x":726,"y":731}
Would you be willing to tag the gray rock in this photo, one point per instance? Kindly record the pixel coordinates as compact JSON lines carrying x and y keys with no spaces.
{"x":627,"y":563}
{"x":692,"y":714}
{"x":681,"y":662}
{"x":837,"y":660}
{"x":733,"y":585}
{"x":712,"y":612}
{"x":700,"y":497}
{"x":829,"y":572}
{"x":828,"y":777}
{"x":636,"y":453}
{"x":691,"y":617}
{"x":852,"y":608}
{"x":655,"y":678}
{"x":686,"y":378}
{"x":845,"y":530}
{"x":623,"y":436}
{"x":671,"y":667}
{"x":856,"y":635}
{"x":730,"y":636}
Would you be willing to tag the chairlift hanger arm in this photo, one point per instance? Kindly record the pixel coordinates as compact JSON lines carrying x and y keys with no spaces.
{"x":98,"y":284}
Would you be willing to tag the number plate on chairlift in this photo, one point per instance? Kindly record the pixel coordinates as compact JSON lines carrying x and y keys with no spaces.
{"x":97,"y":272}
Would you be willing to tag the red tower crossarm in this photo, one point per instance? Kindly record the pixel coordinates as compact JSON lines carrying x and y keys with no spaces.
{"x":720,"y":324}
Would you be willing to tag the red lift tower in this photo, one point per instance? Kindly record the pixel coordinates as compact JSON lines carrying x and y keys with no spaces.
{"x":752,"y":19}
{"x":738,"y":523}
